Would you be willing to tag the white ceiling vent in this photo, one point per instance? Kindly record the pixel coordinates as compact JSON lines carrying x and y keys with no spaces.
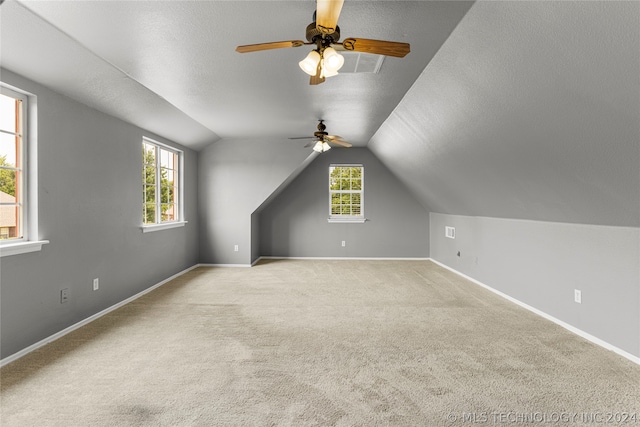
{"x":357,"y":62}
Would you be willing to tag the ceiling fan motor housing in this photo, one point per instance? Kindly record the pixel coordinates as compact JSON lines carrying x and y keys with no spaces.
{"x":321,"y":130}
{"x":314,"y":34}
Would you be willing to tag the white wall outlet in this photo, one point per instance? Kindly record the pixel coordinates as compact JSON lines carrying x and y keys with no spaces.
{"x":64,"y":295}
{"x":577,"y":296}
{"x":96,"y":284}
{"x":344,"y":243}
{"x":235,"y":248}
{"x":450,"y":232}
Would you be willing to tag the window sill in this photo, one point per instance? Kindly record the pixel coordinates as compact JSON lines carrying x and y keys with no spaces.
{"x":166,"y":226}
{"x":346,"y":220}
{"x":8,"y":249}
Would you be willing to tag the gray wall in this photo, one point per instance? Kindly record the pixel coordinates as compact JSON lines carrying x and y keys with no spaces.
{"x":236,"y":177}
{"x":522,"y":128}
{"x":89,"y":192}
{"x":255,"y":236}
{"x":541,"y":263}
{"x":295,"y":223}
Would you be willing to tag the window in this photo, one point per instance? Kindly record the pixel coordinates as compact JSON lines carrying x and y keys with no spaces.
{"x":12,"y":174}
{"x":346,"y":184}
{"x":12,"y":188}
{"x":161,"y":178}
{"x":18,"y":204}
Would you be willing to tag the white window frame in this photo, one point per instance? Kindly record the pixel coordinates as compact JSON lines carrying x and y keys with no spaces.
{"x":179,"y":221}
{"x":28,"y":222}
{"x":333,"y":218}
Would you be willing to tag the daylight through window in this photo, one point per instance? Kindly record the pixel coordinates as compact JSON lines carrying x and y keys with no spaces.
{"x":160,"y":182}
{"x":346,"y":191}
{"x":12,"y":164}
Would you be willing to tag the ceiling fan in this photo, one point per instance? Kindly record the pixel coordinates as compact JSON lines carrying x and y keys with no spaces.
{"x":324,"y":61}
{"x":323,"y":139}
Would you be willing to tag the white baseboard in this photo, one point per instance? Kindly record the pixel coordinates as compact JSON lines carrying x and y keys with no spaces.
{"x":89,"y":319}
{"x":559,"y":322}
{"x":314,"y":258}
{"x":343,"y":258}
{"x":225,"y":265}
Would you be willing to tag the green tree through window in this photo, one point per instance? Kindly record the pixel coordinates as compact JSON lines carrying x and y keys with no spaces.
{"x":346,"y":187}
{"x":7,"y":177}
{"x":160,"y":171}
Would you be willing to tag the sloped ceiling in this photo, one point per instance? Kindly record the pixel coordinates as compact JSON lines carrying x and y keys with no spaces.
{"x":530,"y":110}
{"x":526,"y":110}
{"x":142,"y":60}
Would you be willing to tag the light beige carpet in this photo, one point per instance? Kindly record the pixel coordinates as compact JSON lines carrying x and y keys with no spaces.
{"x":320,"y":343}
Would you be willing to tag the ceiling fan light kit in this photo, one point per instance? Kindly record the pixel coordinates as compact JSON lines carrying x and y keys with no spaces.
{"x":310,"y":64}
{"x":324,"y":61}
{"x":332,"y":60}
{"x":321,"y":147}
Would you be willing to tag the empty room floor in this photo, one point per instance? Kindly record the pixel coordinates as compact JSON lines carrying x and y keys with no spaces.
{"x":320,"y":343}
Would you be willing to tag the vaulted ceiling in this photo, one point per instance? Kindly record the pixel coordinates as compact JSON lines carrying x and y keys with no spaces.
{"x":525,"y":110}
{"x":140,"y":60}
{"x":530,"y":110}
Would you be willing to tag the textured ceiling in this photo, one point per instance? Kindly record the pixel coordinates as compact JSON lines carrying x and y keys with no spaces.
{"x":530,"y":110}
{"x":176,"y":60}
{"x":526,"y":110}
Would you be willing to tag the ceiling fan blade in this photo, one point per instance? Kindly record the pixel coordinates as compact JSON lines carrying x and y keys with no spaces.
{"x":303,"y":137}
{"x":267,"y":46}
{"x":316,"y":80}
{"x":335,"y":139}
{"x":327,"y":14}
{"x":379,"y":47}
{"x":341,"y":142}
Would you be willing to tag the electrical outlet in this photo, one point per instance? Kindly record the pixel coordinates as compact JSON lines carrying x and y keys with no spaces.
{"x":64,"y":295}
{"x":344,"y":243}
{"x":235,"y":248}
{"x":577,"y":296}
{"x":96,"y":284}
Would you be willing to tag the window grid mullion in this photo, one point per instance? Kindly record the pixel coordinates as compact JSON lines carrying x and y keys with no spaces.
{"x":157,"y":184}
{"x":12,"y":133}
